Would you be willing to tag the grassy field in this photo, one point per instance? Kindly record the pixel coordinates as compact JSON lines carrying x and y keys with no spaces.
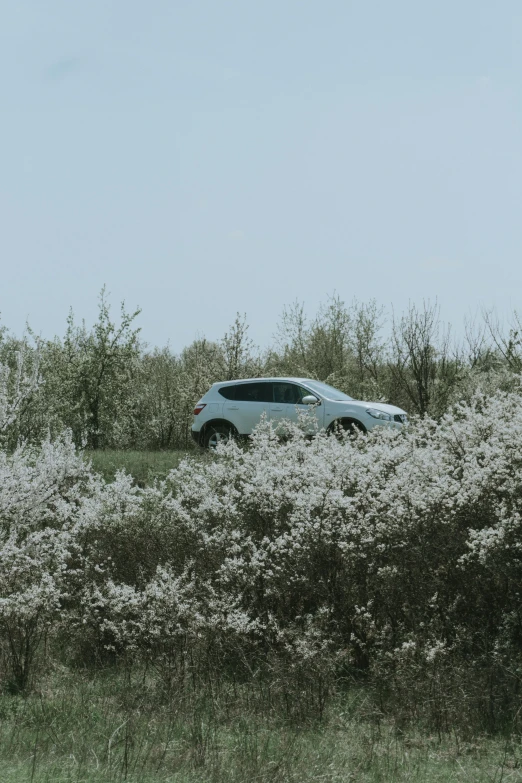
{"x":115,"y":727}
{"x":144,"y":466}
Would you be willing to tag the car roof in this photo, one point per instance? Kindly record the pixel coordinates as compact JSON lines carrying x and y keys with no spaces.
{"x":255,"y":380}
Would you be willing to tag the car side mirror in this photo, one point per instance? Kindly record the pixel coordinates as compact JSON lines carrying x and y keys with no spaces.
{"x":309,"y":400}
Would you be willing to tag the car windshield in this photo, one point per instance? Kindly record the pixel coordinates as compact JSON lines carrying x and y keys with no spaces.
{"x":327,"y":391}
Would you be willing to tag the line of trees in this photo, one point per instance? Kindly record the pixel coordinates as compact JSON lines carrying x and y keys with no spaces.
{"x":112,"y":391}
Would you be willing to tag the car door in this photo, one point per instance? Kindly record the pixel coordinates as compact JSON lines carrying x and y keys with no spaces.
{"x":288,"y":403}
{"x":251,"y":400}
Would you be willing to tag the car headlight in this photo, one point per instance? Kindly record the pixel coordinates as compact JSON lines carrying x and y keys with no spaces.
{"x":379,"y":414}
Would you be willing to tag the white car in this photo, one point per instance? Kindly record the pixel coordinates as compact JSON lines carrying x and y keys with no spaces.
{"x":234,"y":408}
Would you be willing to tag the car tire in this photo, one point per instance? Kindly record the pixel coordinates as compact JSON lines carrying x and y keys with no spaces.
{"x":216,"y":433}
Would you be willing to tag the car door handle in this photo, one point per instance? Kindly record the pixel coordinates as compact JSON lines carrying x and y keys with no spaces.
{"x":232,"y":407}
{"x":279,"y":408}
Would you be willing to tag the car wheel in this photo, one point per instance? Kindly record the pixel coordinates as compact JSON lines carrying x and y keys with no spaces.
{"x":215,"y":434}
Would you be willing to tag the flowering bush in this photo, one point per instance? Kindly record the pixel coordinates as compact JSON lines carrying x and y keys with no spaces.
{"x":42,"y":491}
{"x":395,"y":554}
{"x":17,"y":387}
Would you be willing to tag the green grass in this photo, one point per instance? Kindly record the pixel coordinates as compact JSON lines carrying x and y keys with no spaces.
{"x":144,"y":466}
{"x":112,"y":727}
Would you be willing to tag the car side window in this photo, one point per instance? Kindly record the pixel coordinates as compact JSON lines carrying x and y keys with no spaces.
{"x":305,"y":393}
{"x":287,"y":393}
{"x":228,"y":392}
{"x":254,"y":392}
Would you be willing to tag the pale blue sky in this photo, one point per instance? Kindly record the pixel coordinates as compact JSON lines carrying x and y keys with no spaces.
{"x":201,"y":158}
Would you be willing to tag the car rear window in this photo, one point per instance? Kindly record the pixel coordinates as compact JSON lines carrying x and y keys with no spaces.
{"x":228,"y":392}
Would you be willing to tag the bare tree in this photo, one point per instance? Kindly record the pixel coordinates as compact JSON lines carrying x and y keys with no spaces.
{"x":423,"y":366}
{"x":476,"y":345}
{"x":509,"y":346}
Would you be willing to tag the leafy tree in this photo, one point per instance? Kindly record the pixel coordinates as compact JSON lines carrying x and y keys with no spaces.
{"x":91,"y":371}
{"x":238,"y":359}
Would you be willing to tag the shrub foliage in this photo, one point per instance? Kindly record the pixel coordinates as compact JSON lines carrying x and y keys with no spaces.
{"x":297,"y":563}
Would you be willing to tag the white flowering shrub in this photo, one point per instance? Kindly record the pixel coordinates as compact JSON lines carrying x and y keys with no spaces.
{"x":41,"y":493}
{"x":337,"y":555}
{"x":395,"y":555}
{"x":17,"y":386}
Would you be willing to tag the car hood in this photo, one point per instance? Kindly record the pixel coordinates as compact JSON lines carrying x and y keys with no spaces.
{"x":380,"y":406}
